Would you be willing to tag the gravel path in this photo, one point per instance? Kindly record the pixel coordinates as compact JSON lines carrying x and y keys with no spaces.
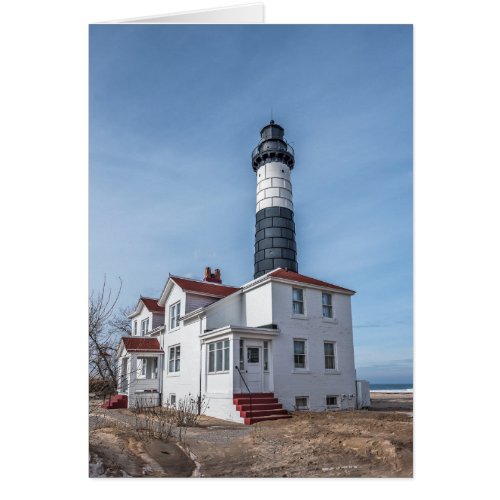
{"x":209,"y":430}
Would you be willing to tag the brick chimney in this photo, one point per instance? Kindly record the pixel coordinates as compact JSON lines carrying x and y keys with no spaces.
{"x":212,"y":277}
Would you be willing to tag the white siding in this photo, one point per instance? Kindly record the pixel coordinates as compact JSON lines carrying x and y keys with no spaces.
{"x":258,"y":306}
{"x":313,"y":382}
{"x":228,"y":311}
{"x":137,"y":385}
{"x":176,"y":295}
{"x":186,"y":381}
{"x":144,"y":314}
{"x":218,"y":387}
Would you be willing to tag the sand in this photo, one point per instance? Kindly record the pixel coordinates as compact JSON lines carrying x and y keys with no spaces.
{"x":365,"y":443}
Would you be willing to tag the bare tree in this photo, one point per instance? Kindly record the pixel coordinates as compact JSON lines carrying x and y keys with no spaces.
{"x":103,"y":337}
{"x":120,"y":321}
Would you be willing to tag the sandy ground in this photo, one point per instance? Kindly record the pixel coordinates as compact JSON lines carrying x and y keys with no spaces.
{"x":366,"y":443}
{"x":115,"y":452}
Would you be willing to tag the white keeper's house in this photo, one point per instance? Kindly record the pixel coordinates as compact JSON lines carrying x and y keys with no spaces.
{"x":279,"y":343}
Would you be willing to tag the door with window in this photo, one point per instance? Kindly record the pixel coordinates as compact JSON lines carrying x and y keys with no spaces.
{"x":254,"y":365}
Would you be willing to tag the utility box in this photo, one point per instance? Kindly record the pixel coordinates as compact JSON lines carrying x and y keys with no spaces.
{"x":362,"y":394}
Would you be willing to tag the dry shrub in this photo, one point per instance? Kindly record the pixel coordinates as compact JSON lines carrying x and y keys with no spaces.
{"x":101,"y":387}
{"x":188,"y":412}
{"x":97,"y":415}
{"x":153,"y":421}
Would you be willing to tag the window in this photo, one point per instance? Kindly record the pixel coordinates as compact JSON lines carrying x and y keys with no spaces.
{"x":242,"y":355}
{"x":301,"y":402}
{"x":174,"y":359}
{"x":329,"y":355}
{"x":147,"y":368}
{"x":331,"y":401}
{"x":226,"y":355}
{"x":141,"y":367}
{"x":211,"y":358}
{"x":266,"y":356}
{"x":252,"y":355}
{"x":218,"y":356}
{"x":299,"y":353}
{"x":144,"y":326}
{"x":135,"y":327}
{"x":171,"y":399}
{"x":327,"y":305}
{"x":298,"y":300}
{"x":175,"y":314}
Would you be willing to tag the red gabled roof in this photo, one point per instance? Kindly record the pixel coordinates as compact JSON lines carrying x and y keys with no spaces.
{"x":152,"y":305}
{"x":141,"y":344}
{"x":213,"y":289}
{"x":292,"y":276}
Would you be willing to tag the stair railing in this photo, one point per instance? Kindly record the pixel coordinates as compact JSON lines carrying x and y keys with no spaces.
{"x":248,"y":388}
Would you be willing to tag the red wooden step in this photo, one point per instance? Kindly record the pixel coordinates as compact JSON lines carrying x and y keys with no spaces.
{"x":116,"y":401}
{"x":262,"y":413}
{"x":257,"y":394}
{"x":254,"y":401}
{"x":258,"y":407}
{"x":254,"y":420}
{"x":270,"y":406}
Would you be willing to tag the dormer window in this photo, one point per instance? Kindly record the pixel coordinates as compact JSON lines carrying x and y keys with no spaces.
{"x":175,"y":315}
{"x":135,"y":327}
{"x":144,"y":326}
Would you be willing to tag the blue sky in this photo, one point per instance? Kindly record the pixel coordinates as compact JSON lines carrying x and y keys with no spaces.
{"x":175,"y":112}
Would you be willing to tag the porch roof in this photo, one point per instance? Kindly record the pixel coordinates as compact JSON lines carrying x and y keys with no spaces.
{"x":251,"y":331}
{"x":141,"y":344}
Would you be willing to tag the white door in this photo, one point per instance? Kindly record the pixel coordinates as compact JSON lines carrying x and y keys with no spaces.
{"x":254,"y":368}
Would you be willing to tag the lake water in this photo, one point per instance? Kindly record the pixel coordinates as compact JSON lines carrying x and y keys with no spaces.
{"x":391,"y":387}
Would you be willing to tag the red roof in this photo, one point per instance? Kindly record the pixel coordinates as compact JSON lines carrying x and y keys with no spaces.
{"x":141,"y":344}
{"x":292,"y":276}
{"x":213,"y":289}
{"x":152,"y":305}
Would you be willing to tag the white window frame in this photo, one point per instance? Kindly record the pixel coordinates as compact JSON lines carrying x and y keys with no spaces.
{"x":242,"y":354}
{"x":265,"y":356}
{"x":336,"y":405}
{"x":335,"y":365}
{"x":171,"y":397}
{"x":302,"y":302}
{"x":144,"y":326}
{"x":328,"y":306}
{"x":219,"y":350}
{"x":302,"y":407}
{"x":135,"y":328}
{"x":175,"y":359}
{"x":306,"y":365}
{"x":174,"y":316}
{"x":142,"y":368}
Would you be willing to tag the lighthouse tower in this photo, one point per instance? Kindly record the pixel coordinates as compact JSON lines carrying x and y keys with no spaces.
{"x":272,"y":161}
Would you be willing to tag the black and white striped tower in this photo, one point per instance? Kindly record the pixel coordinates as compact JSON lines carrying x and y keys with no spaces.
{"x":273,"y":160}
